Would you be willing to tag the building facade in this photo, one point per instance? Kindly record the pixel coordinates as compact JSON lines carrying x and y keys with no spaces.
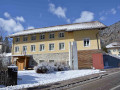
{"x":114,"y":48}
{"x":51,"y":44}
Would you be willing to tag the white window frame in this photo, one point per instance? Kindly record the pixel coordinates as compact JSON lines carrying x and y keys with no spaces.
{"x":50,"y":36}
{"x":18,"y":39}
{"x":64,"y":45}
{"x":41,"y":61}
{"x":62,"y":33}
{"x":25,"y":50}
{"x":114,"y":50}
{"x":51,"y":60}
{"x":17,"y":49}
{"x":84,"y":41}
{"x":53,"y":48}
{"x":24,"y":39}
{"x":32,"y":36}
{"x":42,"y":36}
{"x":31,"y":48}
{"x":40,"y":47}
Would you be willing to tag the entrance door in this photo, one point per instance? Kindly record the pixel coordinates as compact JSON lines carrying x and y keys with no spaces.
{"x":20,"y":64}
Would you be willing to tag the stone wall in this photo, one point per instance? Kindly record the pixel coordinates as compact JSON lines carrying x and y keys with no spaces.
{"x":57,"y":57}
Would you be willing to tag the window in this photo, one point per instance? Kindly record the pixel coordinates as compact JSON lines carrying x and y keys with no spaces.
{"x":17,"y":39}
{"x":51,"y":35}
{"x":24,"y":48}
{"x":86,"y":42}
{"x":17,"y":49}
{"x":61,"y":46}
{"x":61,"y":34}
{"x":25,"y":38}
{"x":32,"y":48}
{"x":51,"y":61}
{"x":33,"y":37}
{"x":42,"y":47}
{"x":51,"y":47}
{"x":41,"y":61}
{"x":114,"y":50}
{"x":42,"y":36}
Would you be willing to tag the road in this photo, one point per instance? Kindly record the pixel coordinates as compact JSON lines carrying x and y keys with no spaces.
{"x":110,"y":82}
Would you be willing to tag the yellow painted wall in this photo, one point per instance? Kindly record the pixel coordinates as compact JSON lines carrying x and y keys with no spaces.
{"x":69,"y":37}
{"x":91,"y":34}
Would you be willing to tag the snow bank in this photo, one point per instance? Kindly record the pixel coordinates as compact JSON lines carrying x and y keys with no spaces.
{"x":29,"y":78}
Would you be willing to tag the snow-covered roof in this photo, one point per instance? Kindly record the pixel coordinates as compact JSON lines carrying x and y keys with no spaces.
{"x":67,"y":27}
{"x":113,"y":45}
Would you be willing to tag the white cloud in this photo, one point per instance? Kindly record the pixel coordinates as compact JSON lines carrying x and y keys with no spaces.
{"x":113,"y":11}
{"x":85,"y":16}
{"x":21,"y":19}
{"x":102,"y":18}
{"x":59,"y":11}
{"x":10,"y":24}
{"x":6,"y":14}
{"x":30,"y":27}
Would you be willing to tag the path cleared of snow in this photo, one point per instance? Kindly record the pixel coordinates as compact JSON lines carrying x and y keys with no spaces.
{"x":31,"y":78}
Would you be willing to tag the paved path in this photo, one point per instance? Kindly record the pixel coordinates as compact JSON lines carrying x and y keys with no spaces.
{"x":110,"y":82}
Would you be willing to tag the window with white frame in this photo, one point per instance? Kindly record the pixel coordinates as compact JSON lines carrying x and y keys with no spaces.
{"x":42,"y":47}
{"x":51,"y":35}
{"x":41,"y":61}
{"x":42,"y":36}
{"x":51,"y":61}
{"x":51,"y":46}
{"x":61,"y":34}
{"x":17,"y":39}
{"x":24,"y":48}
{"x":86,"y":42}
{"x":32,"y":48}
{"x":61,"y":46}
{"x":33,"y":37}
{"x":114,"y":50}
{"x":25,"y":38}
{"x":17,"y":49}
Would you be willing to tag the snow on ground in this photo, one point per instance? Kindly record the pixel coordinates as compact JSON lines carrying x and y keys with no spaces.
{"x":29,"y":78}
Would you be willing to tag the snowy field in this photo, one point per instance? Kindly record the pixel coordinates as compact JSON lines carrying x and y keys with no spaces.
{"x":31,"y":78}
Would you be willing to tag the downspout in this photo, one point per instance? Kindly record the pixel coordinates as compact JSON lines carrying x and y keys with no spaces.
{"x":97,"y":41}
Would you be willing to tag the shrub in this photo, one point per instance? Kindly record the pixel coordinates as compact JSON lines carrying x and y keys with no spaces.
{"x":50,"y":67}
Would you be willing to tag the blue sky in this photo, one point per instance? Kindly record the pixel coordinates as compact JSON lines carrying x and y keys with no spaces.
{"x":16,"y":15}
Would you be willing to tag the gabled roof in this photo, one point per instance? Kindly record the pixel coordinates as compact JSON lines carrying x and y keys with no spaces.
{"x":113,"y":45}
{"x":67,"y":27}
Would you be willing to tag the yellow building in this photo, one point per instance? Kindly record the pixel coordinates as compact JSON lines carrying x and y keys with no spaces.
{"x":51,"y":44}
{"x":114,"y":48}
